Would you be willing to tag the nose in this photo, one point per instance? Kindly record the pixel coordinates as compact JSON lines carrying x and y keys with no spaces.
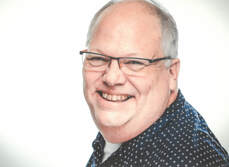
{"x":113,"y":75}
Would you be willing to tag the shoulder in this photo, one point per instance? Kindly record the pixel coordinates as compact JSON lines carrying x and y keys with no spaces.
{"x":187,"y":139}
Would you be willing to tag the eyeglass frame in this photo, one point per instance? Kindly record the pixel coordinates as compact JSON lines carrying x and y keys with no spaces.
{"x":118,"y":58}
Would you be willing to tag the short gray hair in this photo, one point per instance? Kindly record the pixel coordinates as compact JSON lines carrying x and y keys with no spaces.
{"x":168,"y":26}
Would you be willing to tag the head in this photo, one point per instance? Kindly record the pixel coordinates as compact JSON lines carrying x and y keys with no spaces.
{"x":125,"y":104}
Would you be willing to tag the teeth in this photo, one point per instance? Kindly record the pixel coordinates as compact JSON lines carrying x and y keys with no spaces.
{"x":105,"y":95}
{"x":109,"y":97}
{"x":118,"y":98}
{"x":123,"y":97}
{"x":114,"y":97}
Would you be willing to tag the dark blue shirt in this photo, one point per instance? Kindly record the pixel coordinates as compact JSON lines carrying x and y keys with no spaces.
{"x":179,"y":138}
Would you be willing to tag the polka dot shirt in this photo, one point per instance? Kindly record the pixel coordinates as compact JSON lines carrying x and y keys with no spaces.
{"x":180,"y":138}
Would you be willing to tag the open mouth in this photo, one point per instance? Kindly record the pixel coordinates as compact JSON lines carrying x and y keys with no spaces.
{"x":114,"y":98}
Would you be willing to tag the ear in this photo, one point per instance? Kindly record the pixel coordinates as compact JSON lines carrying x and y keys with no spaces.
{"x":173,"y":74}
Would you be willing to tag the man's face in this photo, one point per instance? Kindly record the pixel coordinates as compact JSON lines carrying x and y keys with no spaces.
{"x":124,"y":105}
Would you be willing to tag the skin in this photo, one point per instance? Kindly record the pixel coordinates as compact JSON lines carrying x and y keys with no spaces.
{"x":125,"y":29}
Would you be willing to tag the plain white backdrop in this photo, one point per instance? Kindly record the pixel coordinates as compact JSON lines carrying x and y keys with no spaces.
{"x":44,"y":120}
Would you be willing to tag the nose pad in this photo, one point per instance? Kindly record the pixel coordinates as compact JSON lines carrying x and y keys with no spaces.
{"x":114,"y":60}
{"x":113,"y":74}
{"x":114,"y":63}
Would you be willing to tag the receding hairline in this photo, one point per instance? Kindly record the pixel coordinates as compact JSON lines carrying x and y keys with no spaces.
{"x":150,"y":9}
{"x":147,"y":8}
{"x":166,"y":22}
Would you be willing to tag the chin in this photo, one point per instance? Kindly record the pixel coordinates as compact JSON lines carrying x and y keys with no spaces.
{"x":111,"y":119}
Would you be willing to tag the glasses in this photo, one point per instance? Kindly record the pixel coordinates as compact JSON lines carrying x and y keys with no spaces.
{"x":99,"y":62}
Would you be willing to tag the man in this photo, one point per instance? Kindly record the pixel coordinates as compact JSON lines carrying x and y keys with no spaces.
{"x":130,"y":84}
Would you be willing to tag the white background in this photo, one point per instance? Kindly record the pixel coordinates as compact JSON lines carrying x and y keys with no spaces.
{"x":44,"y":120}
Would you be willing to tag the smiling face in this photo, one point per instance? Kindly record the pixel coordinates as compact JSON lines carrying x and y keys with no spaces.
{"x":123,"y":105}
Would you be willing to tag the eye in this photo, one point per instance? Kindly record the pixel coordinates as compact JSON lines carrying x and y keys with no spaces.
{"x":134,"y":62}
{"x":96,"y":58}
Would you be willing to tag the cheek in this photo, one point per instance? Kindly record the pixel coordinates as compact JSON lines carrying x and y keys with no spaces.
{"x":90,"y":79}
{"x":87,"y":79}
{"x":150,"y":85}
{"x":144,"y":84}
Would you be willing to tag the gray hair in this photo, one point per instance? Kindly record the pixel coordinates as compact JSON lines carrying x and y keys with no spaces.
{"x":168,"y":26}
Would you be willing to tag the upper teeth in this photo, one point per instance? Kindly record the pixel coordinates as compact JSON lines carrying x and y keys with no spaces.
{"x":114,"y":97}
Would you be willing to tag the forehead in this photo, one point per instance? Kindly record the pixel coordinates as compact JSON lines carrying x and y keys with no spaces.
{"x":129,"y":25}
